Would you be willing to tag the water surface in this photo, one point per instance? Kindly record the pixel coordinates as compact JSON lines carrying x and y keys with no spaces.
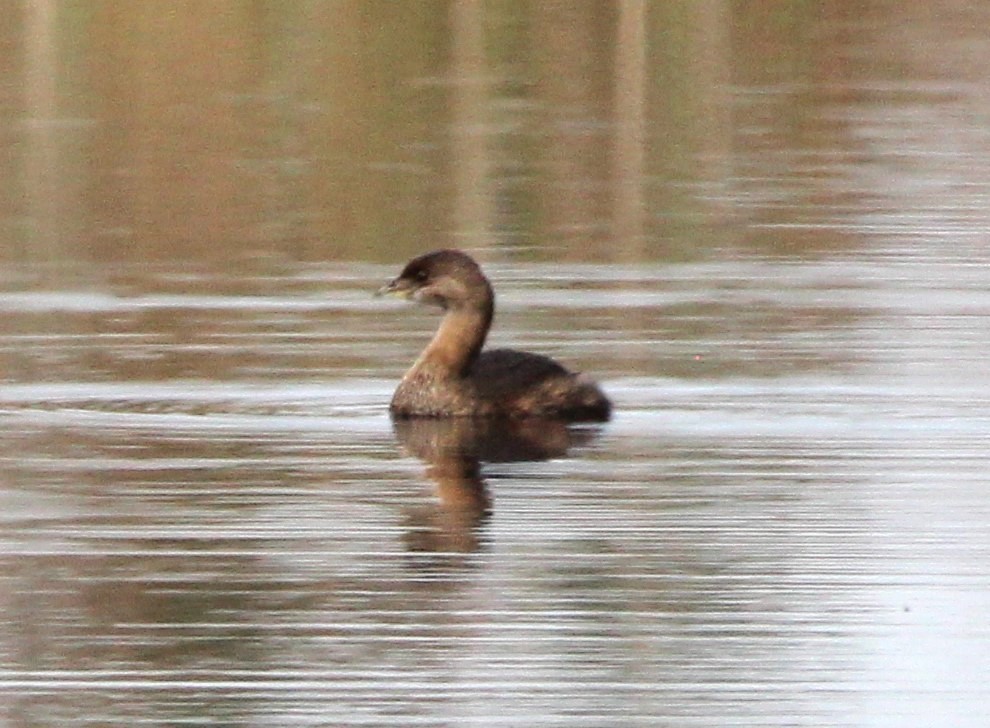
{"x":763,"y":230}
{"x":781,"y":509}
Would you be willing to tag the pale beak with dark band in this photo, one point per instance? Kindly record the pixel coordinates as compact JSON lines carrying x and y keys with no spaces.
{"x":398,"y":287}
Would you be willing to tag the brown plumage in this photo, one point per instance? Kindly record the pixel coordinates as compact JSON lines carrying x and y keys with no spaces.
{"x":454,"y":377}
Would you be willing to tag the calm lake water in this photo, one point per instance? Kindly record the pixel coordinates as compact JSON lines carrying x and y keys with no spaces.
{"x":775,"y":258}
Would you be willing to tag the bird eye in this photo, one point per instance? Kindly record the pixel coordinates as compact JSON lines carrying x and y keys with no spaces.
{"x":420,"y":275}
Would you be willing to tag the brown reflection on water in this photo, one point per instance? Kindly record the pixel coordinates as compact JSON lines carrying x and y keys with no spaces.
{"x":454,"y":451}
{"x":639,"y":131}
{"x":328,"y":131}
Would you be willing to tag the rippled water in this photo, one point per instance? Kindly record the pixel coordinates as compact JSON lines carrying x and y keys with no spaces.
{"x":784,"y":524}
{"x":762,"y":226}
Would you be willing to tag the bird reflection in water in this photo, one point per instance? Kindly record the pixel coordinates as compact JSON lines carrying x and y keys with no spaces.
{"x":454,"y":450}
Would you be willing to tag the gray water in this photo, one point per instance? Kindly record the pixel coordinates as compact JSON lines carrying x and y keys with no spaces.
{"x":790,"y":528}
{"x":762,"y":228}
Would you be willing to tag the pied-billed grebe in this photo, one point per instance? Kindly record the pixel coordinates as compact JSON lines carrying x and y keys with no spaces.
{"x":454,"y":377}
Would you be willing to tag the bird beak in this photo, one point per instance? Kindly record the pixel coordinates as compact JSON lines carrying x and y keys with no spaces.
{"x":397,"y":287}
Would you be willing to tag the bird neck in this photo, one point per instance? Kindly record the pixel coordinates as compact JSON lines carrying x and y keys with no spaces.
{"x":458,"y":340}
